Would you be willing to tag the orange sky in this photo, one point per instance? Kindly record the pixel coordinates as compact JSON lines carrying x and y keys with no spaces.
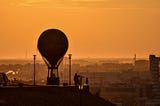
{"x":95,"y":28}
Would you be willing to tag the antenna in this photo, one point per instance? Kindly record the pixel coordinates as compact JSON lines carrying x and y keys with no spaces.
{"x":134,"y":59}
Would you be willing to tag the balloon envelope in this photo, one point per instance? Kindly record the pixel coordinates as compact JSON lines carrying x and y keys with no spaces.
{"x":52,"y":45}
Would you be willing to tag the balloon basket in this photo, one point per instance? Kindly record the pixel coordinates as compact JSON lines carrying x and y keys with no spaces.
{"x":53,"y":81}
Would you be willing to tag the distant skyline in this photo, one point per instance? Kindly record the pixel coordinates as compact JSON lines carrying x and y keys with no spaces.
{"x":95,"y":28}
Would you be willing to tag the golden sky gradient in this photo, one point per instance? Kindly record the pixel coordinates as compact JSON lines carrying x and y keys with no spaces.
{"x":95,"y":28}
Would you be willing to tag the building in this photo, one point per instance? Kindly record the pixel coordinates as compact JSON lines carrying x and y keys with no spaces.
{"x":155,"y":68}
{"x":155,"y":76}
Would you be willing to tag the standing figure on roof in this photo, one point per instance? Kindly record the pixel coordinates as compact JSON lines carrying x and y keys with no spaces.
{"x":76,"y":79}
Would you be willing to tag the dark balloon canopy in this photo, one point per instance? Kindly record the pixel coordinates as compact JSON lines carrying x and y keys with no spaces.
{"x":52,"y":45}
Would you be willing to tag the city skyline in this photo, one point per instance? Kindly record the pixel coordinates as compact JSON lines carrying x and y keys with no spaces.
{"x":95,"y":28}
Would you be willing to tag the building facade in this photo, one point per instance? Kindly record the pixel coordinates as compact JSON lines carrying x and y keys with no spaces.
{"x":155,"y":68}
{"x":155,"y":76}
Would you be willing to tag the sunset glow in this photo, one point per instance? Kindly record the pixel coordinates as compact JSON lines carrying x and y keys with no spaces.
{"x":95,"y":28}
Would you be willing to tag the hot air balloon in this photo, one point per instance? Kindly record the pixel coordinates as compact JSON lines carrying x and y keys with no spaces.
{"x":52,"y":45}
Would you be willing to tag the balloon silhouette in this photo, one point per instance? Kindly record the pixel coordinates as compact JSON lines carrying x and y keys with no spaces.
{"x":52,"y":45}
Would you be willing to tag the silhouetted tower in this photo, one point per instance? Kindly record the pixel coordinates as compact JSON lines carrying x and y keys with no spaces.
{"x":134,"y":59}
{"x":155,"y":75}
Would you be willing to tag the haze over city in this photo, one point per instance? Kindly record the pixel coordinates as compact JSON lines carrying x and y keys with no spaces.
{"x":95,"y":28}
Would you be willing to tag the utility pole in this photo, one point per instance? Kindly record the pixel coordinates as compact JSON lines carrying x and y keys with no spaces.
{"x":34,"y":57}
{"x":70,"y":55}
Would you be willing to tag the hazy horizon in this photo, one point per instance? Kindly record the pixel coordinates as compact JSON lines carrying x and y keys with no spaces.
{"x":74,"y":58}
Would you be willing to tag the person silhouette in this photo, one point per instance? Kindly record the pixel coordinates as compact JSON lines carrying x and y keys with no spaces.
{"x":76,"y":79}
